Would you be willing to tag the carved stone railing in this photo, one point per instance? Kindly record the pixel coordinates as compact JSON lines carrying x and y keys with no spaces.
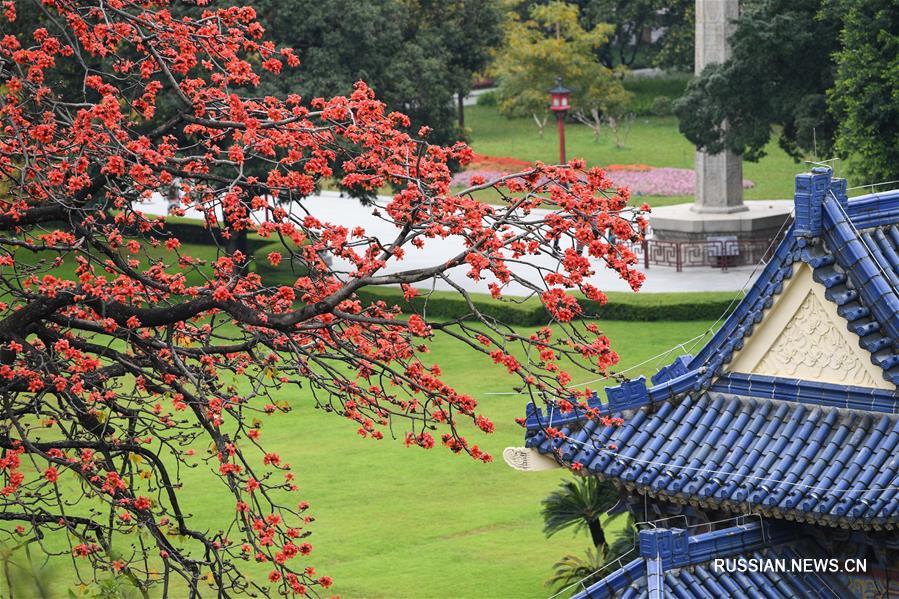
{"x":718,"y":252}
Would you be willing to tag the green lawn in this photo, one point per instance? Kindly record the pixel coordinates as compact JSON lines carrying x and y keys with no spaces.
{"x":398,"y":522}
{"x":655,"y":141}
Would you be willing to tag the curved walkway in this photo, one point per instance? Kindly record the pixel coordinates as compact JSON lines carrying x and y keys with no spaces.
{"x":331,"y":207}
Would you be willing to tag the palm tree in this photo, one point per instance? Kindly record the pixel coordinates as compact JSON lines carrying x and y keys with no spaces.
{"x":579,"y":503}
{"x":572,"y":569}
{"x":592,"y":567}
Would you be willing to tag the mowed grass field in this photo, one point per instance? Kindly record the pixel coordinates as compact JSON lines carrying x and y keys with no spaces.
{"x":653,"y":140}
{"x":397,"y":522}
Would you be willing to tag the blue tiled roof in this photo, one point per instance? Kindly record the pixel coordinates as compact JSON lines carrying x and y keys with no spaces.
{"x":780,"y":458}
{"x":858,"y":269}
{"x":803,"y":450}
{"x":853,"y":248}
{"x":673,"y":564}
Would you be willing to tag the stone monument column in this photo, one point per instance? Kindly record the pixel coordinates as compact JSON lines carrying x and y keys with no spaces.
{"x":719,"y":177}
{"x":719,"y":211}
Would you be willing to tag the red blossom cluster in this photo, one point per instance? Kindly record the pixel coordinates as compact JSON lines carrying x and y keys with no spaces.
{"x":124,"y":359}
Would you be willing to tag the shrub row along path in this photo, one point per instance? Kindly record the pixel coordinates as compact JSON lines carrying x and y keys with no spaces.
{"x":332,"y":207}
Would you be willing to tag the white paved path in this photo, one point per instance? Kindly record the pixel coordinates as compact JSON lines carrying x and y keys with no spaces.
{"x":331,"y":207}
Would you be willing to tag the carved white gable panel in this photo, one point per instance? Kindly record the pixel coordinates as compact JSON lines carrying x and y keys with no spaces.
{"x":803,"y":337}
{"x":812,"y":348}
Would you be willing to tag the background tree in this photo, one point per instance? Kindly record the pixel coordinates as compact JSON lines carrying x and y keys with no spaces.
{"x":552,"y":44}
{"x":647,"y":32}
{"x":865,"y":95}
{"x":675,"y":49}
{"x":593,"y":566}
{"x":839,"y":99}
{"x":579,"y":504}
{"x":126,"y":360}
{"x":416,"y":54}
{"x":763,"y":90}
{"x":469,"y":31}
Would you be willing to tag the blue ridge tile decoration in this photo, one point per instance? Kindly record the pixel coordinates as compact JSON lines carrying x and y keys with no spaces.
{"x":672,"y":564}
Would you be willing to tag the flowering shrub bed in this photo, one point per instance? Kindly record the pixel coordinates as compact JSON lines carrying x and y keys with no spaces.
{"x":659,"y":181}
{"x":641,"y":179}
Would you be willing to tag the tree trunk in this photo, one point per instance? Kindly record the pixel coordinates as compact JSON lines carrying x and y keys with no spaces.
{"x":597,"y":533}
{"x":540,"y":124}
{"x":461,"y":97}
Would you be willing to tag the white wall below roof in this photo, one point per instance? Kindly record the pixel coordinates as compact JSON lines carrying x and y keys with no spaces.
{"x":803,"y":337}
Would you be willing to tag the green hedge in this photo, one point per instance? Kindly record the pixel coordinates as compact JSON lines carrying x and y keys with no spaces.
{"x":530,"y":312}
{"x":193,"y":231}
{"x":620,"y":306}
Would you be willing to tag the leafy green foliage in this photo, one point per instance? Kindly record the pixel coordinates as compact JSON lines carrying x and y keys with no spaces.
{"x":548,"y":45}
{"x":628,"y":43}
{"x":646,"y":91}
{"x":675,"y":49}
{"x":865,"y":96}
{"x":593,"y":566}
{"x":468,"y":32}
{"x":763,"y":87}
{"x":416,"y":54}
{"x":487,"y":99}
{"x":578,"y":504}
{"x":576,"y":571}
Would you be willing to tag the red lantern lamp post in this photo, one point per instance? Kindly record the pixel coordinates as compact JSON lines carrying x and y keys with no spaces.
{"x":559,"y":96}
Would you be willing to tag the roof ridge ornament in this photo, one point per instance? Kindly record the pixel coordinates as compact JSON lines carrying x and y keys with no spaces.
{"x":810,"y":191}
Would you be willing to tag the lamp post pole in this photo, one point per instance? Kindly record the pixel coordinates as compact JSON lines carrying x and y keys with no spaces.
{"x":559,"y":96}
{"x":560,"y":117}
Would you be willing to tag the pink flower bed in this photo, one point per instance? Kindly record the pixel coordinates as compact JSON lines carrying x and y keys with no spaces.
{"x":660,"y":181}
{"x":652,"y":182}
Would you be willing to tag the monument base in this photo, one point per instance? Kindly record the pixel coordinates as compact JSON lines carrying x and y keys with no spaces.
{"x":760,"y":220}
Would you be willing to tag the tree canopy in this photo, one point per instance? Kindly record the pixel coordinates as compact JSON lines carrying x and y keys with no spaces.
{"x":658,"y":32}
{"x":126,"y":360}
{"x":763,"y":88}
{"x":549,"y":45}
{"x":644,"y":32}
{"x":865,"y":95}
{"x":415,"y":54}
{"x":820,"y":76}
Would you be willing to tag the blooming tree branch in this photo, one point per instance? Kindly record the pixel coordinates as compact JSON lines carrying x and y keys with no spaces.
{"x":119,"y":370}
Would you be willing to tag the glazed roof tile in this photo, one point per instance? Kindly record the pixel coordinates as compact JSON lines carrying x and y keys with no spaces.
{"x":797,"y":449}
{"x":779,"y":458}
{"x":674,"y":564}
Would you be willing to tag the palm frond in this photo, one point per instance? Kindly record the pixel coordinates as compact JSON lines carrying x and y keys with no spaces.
{"x":572,"y":568}
{"x":576,"y":503}
{"x":593,"y":566}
